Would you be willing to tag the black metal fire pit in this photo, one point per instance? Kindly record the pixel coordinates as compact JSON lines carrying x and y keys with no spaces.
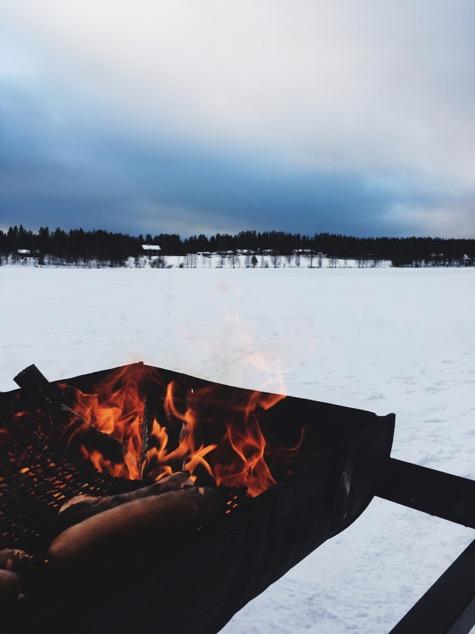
{"x":197,"y":584}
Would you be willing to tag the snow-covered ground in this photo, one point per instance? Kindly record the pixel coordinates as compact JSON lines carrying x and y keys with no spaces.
{"x":381,"y":339}
{"x":206,"y":260}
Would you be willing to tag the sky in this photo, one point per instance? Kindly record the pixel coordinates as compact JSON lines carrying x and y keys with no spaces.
{"x":155,"y":116}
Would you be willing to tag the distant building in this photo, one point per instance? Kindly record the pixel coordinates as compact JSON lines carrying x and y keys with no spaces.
{"x":151,"y":248}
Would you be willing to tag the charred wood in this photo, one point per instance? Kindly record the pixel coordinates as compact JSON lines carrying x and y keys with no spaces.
{"x":69,"y":429}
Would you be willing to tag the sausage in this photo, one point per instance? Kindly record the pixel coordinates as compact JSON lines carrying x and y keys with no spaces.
{"x":14,"y":565}
{"x":10,"y":588}
{"x":118,"y":527}
{"x":81,"y":507}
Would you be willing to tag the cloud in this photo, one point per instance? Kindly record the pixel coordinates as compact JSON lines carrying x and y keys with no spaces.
{"x":69,"y":180}
{"x":354,"y":117}
{"x":445,"y":218}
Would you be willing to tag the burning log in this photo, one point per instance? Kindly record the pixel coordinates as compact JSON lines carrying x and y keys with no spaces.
{"x":135,"y":426}
{"x":69,"y":427}
{"x":80,"y":507}
{"x":118,"y":527}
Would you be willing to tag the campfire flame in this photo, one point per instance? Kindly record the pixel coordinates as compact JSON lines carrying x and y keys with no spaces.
{"x":213,"y":432}
{"x":115,"y":408}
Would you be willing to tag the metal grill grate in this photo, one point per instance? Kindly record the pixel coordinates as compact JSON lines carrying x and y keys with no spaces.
{"x":35,"y":481}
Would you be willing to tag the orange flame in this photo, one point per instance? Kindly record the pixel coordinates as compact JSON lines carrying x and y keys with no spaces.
{"x":212,"y":432}
{"x":116,"y":408}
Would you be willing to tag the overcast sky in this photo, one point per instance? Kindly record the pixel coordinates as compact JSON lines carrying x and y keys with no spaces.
{"x":302,"y":115}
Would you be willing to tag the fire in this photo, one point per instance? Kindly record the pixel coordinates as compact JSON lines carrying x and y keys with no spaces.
{"x":116,"y":408}
{"x":213,"y":432}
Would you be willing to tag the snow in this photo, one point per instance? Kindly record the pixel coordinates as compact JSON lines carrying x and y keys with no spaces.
{"x":303,"y":258}
{"x":381,"y":339}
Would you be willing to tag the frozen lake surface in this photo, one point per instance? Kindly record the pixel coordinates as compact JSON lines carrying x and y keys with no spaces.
{"x":386,"y":340}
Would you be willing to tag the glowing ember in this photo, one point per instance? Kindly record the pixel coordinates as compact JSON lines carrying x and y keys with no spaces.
{"x":213,"y":432}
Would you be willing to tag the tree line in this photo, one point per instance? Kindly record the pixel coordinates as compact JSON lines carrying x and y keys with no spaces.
{"x":115,"y":248}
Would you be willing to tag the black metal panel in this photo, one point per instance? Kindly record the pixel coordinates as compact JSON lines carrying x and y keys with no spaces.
{"x":448,"y":607}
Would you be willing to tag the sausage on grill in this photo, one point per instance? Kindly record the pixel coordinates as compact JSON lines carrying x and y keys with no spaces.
{"x":120,"y":527}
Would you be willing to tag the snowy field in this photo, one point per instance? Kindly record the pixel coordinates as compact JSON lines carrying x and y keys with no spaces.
{"x":381,"y":339}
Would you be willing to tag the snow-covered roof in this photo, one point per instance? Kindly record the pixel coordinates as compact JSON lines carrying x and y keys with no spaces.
{"x":151,"y":247}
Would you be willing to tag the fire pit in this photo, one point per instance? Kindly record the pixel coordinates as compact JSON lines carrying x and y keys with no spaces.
{"x":284,"y":475}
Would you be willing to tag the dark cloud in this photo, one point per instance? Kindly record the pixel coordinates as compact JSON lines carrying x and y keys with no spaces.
{"x":78,"y":175}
